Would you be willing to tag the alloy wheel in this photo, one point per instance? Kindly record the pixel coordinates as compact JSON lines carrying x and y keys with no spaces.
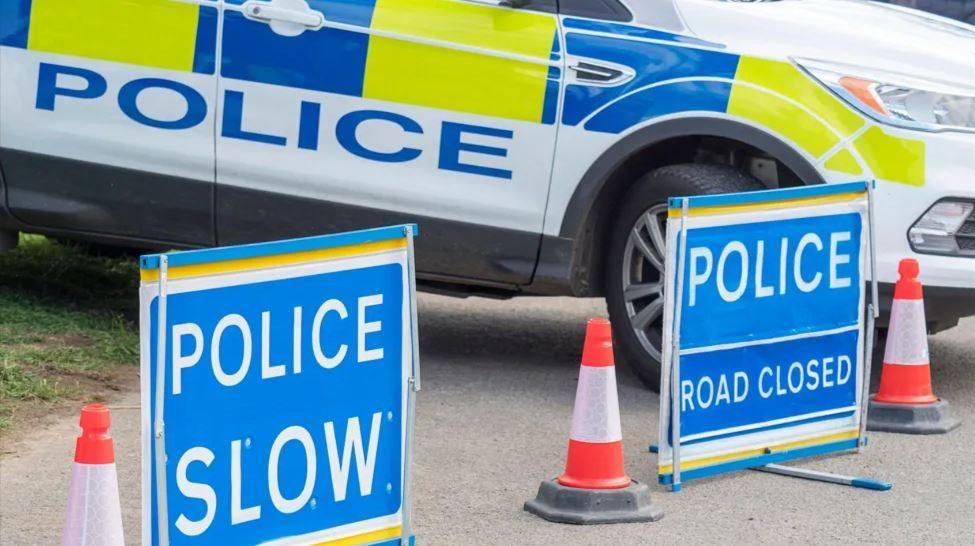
{"x":643,"y":278}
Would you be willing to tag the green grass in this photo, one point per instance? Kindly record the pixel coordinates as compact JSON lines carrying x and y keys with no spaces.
{"x":67,"y":318}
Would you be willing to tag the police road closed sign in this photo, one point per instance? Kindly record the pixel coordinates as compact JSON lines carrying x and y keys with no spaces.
{"x":282,"y":413}
{"x":770,"y":344}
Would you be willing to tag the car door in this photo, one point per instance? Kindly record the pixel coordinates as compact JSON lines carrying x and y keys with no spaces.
{"x":107,"y":118}
{"x":345,"y":114}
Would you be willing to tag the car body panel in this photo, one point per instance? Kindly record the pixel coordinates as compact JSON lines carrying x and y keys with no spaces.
{"x":487,"y":122}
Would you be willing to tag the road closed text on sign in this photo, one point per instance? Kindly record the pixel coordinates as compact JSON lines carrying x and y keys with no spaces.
{"x":284,"y":395}
{"x":770,"y":327}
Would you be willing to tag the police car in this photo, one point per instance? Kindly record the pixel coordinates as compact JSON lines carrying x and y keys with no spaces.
{"x":534,"y":141}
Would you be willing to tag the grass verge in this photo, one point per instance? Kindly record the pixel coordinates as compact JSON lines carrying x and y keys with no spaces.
{"x":67,"y":325}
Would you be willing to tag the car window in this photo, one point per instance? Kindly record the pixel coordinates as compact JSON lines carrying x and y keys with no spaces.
{"x":662,"y":14}
{"x":607,"y":10}
{"x":547,"y":6}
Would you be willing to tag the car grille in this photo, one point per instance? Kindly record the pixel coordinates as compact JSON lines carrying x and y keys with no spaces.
{"x":965,"y":237}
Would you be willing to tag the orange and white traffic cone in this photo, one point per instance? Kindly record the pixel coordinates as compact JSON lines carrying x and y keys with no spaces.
{"x":594,"y":487}
{"x":906,"y":402}
{"x":94,"y":515}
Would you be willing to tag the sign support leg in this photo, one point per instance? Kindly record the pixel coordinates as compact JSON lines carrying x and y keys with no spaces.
{"x":865,"y":483}
{"x":873,"y":311}
{"x":852,"y":481}
{"x":867,"y":365}
{"x":159,"y":436}
{"x":406,"y":533}
{"x":675,"y":402}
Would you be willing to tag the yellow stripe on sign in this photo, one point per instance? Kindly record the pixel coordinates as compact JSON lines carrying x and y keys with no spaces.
{"x":439,"y":76}
{"x":770,"y":205}
{"x":744,"y":454}
{"x":844,"y":162}
{"x":264,"y":262}
{"x":892,"y":158}
{"x":365,"y":538}
{"x":157,"y":33}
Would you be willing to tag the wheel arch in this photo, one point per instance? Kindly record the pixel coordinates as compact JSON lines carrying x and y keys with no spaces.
{"x":576,"y":254}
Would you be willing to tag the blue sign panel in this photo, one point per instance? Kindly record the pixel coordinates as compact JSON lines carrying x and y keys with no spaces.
{"x":283,"y":398}
{"x":754,"y":385}
{"x":785,"y":276}
{"x":762,"y":349}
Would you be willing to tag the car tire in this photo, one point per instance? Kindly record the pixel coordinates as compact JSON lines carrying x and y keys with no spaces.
{"x":634,"y":266}
{"x":877,"y":358}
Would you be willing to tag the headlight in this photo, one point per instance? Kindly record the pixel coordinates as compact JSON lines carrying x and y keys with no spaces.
{"x":897,"y":99}
{"x":946,"y":228}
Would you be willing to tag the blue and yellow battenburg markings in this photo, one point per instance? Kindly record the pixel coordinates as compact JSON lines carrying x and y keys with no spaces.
{"x":221,"y":260}
{"x":667,"y":57}
{"x":464,"y":57}
{"x":780,"y":96}
{"x":153,"y":33}
{"x":676,"y":74}
{"x":500,"y":69}
{"x":442,"y":77}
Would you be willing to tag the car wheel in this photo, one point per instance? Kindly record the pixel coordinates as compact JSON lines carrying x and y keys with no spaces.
{"x":634,"y":280}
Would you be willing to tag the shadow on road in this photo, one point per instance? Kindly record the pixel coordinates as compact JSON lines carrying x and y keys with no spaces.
{"x":531,"y":346}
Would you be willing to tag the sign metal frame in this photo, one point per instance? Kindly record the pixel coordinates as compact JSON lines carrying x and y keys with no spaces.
{"x":406,"y":533}
{"x":163,"y":263}
{"x":159,"y":425}
{"x":671,"y":371}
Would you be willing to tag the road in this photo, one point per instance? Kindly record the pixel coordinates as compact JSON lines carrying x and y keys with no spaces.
{"x":493,"y":420}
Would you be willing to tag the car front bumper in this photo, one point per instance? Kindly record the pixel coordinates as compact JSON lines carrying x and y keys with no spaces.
{"x":949,"y":281}
{"x":943,"y":306}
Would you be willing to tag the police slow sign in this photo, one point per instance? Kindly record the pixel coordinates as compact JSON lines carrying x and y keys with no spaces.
{"x":281,"y":412}
{"x":768,"y":359}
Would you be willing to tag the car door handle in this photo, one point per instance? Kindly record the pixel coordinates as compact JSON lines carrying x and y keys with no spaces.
{"x":266,"y":12}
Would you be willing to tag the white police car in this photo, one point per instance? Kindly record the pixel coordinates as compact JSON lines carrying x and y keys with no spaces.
{"x":534,"y":141}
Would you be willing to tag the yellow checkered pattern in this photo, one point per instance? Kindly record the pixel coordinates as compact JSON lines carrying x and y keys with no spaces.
{"x":437,"y":76}
{"x":155,"y":33}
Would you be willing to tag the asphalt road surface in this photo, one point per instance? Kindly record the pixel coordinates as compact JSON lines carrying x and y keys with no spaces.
{"x":493,"y":420}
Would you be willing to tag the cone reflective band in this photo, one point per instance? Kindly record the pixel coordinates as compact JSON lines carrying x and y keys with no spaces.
{"x":94,"y":515}
{"x":595,"y":459}
{"x":595,"y":418}
{"x":906,"y":376}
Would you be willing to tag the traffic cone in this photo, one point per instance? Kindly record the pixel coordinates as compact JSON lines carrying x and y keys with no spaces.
{"x":94,"y":515}
{"x":906,"y":402}
{"x":594,"y":487}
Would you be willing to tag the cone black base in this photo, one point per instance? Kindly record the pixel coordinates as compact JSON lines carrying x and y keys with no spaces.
{"x":561,"y":504}
{"x":933,"y":418}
